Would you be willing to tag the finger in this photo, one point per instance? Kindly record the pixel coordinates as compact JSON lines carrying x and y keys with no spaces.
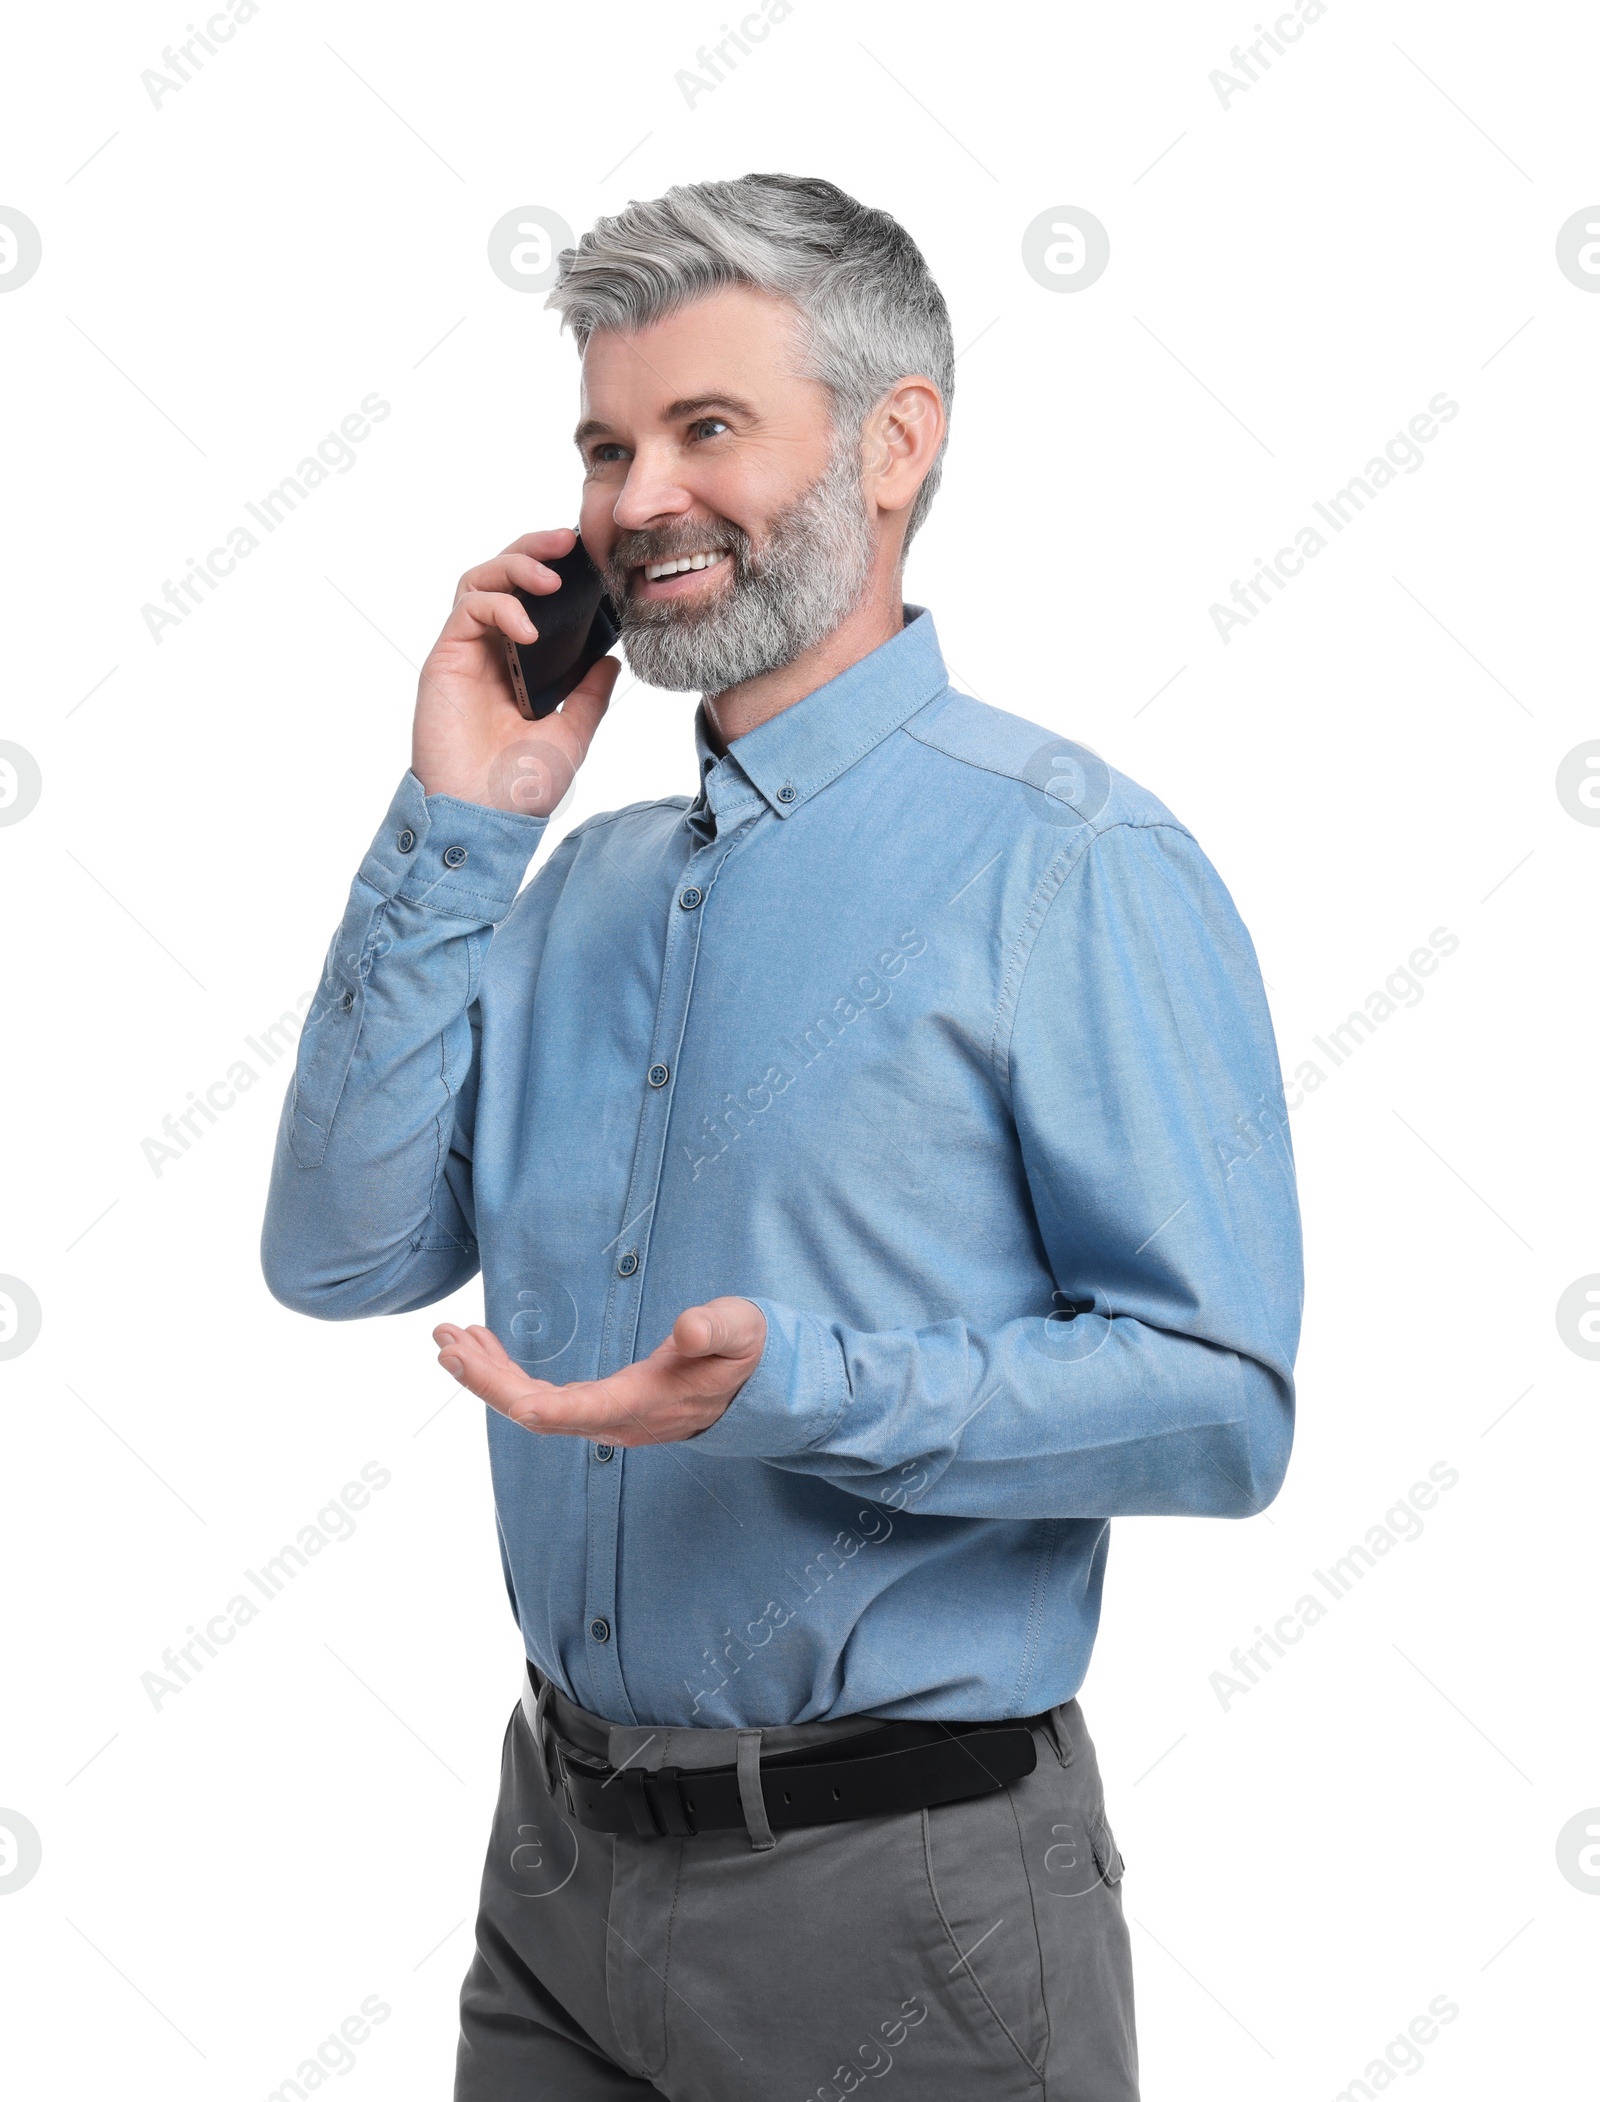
{"x":490,"y":1344}
{"x":584,"y":1409}
{"x":477,"y":612}
{"x":728,"y":1328}
{"x":444,"y":1335}
{"x":556,"y":540}
{"x":476,"y":1359}
{"x":588,"y":701}
{"x":504,"y":571}
{"x":475,"y":1336}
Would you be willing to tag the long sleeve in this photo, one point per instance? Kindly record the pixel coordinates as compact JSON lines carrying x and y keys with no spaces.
{"x":1149,"y":1113}
{"x":370,"y":1206}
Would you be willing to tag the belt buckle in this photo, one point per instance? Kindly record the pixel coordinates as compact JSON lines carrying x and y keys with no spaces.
{"x":568,"y":1756}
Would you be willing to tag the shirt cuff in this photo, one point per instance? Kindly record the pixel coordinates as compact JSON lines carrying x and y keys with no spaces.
{"x":794,"y":1397}
{"x":458,"y":858}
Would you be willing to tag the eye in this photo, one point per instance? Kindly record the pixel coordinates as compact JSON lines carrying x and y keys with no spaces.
{"x":711,"y":425}
{"x":605,"y":454}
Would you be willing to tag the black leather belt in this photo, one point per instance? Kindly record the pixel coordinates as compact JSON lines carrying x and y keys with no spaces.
{"x":913,"y":1767}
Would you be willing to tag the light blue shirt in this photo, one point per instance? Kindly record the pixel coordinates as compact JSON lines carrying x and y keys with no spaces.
{"x":919,"y":1028}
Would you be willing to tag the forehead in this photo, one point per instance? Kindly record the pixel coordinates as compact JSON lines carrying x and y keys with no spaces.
{"x":737,"y":342}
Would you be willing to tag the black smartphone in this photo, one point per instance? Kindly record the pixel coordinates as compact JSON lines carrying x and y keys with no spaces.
{"x":576,"y":624}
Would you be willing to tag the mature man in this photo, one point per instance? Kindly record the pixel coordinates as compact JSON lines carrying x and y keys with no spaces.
{"x":880,"y":1175}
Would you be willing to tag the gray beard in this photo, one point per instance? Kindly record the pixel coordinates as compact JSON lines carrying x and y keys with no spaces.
{"x":785,"y":596}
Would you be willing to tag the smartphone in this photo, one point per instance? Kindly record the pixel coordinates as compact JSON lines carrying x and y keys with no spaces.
{"x":576,"y":624}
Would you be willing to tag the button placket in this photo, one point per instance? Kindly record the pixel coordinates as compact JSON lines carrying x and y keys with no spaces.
{"x":629,"y":1254}
{"x":681,"y":949}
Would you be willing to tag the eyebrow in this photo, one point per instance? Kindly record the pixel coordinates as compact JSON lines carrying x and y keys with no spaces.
{"x":675,"y":412}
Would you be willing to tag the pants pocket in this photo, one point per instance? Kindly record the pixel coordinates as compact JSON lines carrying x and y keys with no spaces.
{"x":1108,"y":1857}
{"x":1078,"y":1852}
{"x":1076,"y":1870}
{"x":978,"y":1878}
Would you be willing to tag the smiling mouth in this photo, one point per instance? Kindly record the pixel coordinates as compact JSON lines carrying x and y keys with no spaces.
{"x":670,"y":578}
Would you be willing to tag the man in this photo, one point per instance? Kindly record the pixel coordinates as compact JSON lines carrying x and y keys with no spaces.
{"x":879,"y":1170}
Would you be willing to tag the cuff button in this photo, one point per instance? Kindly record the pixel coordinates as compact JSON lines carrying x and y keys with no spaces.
{"x":406,"y":841}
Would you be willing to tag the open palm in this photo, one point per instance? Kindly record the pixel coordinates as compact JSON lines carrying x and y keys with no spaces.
{"x":683,"y":1386}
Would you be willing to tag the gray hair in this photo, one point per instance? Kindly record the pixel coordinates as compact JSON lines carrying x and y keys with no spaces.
{"x":871,"y":313}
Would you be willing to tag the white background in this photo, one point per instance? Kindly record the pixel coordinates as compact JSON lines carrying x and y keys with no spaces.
{"x":1373,"y":757}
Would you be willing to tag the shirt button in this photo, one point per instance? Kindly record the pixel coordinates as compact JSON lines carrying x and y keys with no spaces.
{"x":600,"y":1630}
{"x":691,"y":897}
{"x":786,"y":793}
{"x":454,"y":856}
{"x":627,"y":1264}
{"x":604,"y":1452}
{"x":406,"y":841}
{"x":658,"y":1075}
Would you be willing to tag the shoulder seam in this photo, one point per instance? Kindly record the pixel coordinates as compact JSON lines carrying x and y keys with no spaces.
{"x":932,"y":744}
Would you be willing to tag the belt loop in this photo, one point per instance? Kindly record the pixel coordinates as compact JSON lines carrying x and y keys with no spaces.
{"x":541,"y":1734}
{"x":1060,"y":1740}
{"x":751,"y":1800}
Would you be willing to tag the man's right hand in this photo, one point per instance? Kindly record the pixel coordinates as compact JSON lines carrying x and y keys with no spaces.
{"x":468,"y":738}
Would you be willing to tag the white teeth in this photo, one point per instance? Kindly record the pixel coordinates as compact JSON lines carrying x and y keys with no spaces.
{"x":653,"y":570}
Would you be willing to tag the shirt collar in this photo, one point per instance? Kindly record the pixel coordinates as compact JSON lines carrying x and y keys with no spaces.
{"x":812,"y":742}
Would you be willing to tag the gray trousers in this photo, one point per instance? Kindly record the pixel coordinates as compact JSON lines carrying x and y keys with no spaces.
{"x":975,"y":1949}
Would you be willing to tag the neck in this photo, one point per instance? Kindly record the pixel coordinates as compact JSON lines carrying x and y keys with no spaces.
{"x":743,"y":708}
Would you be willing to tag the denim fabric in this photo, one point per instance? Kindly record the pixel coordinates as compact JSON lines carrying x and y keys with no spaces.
{"x":920,"y":1028}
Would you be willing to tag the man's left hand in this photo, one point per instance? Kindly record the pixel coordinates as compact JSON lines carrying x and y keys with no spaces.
{"x":682,"y":1387}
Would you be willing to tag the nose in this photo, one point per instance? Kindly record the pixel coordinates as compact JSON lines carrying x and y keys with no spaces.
{"x":652,"y":491}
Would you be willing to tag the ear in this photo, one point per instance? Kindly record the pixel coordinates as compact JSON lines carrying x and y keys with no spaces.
{"x":900,"y":441}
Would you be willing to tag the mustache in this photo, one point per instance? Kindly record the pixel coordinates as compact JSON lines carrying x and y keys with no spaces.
{"x":665,"y":543}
